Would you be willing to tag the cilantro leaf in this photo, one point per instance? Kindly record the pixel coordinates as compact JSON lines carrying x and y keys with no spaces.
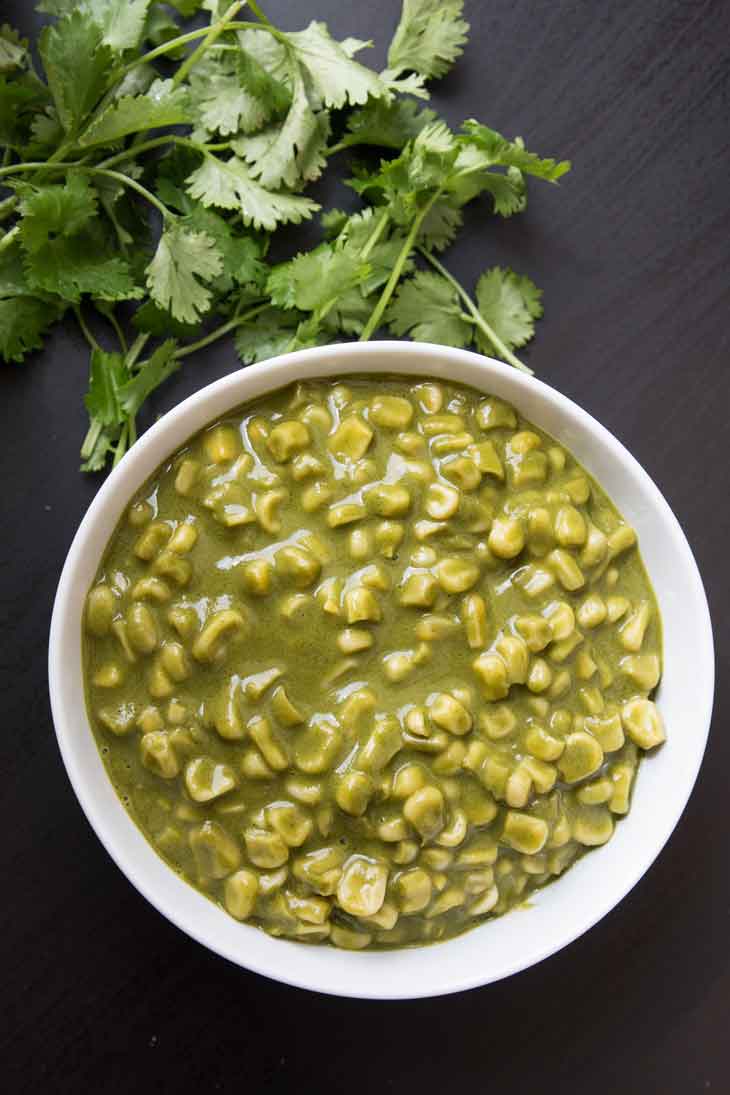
{"x":182,"y":262}
{"x":429,"y":37}
{"x":262,"y":84}
{"x":314,"y":278}
{"x":148,"y":376}
{"x":122,"y":22}
{"x":386,"y":124}
{"x":241,"y":255}
{"x":349,"y":313}
{"x":268,"y":335}
{"x":160,"y":28}
{"x":498,"y":150}
{"x":228,"y":184}
{"x":409,"y":181}
{"x":508,"y":191}
{"x":23,"y":322}
{"x":77,"y":63}
{"x":13,"y":282}
{"x":270,"y":53}
{"x":13,"y":49}
{"x":233,"y":94}
{"x":333,"y":78}
{"x":115,"y":395}
{"x":163,"y":105}
{"x":510,"y":304}
{"x":107,"y":374}
{"x":66,"y":249}
{"x":160,"y":322}
{"x":410,"y":83}
{"x":291,"y":152}
{"x":45,"y":134}
{"x":72,"y":267}
{"x":20,"y":100}
{"x":439,"y":226}
{"x":55,"y":210}
{"x":354,"y":236}
{"x":224,"y":106}
{"x":428,"y":308}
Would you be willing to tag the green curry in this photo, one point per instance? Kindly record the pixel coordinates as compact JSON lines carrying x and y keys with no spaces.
{"x":369,"y":663}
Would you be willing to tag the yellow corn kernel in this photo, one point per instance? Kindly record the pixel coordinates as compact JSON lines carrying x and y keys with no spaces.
{"x":474,"y":615}
{"x":643,"y":723}
{"x":286,"y":440}
{"x":506,"y":538}
{"x":351,"y":439}
{"x":492,"y":674}
{"x":222,"y":444}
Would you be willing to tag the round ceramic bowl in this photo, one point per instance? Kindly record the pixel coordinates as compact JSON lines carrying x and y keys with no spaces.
{"x":558,"y":914}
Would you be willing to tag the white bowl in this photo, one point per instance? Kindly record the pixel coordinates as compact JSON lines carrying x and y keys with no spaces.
{"x":557,"y":914}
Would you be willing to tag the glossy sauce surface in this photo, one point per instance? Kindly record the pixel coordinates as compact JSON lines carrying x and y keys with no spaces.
{"x":369,"y":662}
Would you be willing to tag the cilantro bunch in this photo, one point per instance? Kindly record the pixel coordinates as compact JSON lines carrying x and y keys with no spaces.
{"x":147,"y":166}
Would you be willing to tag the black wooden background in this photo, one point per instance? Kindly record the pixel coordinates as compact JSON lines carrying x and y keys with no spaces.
{"x":97,"y":992}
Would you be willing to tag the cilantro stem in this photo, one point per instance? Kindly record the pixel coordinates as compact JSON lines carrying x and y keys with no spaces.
{"x":16,"y":168}
{"x":183,"y":40}
{"x":117,"y":329}
{"x":8,"y":238}
{"x":395,"y":274}
{"x":125,"y":180}
{"x":474,"y":315}
{"x":135,"y":350}
{"x":219,"y":332}
{"x":121,"y":445}
{"x":379,"y":229}
{"x":7,"y":207}
{"x":258,"y":13}
{"x":85,"y":169}
{"x":92,"y":436}
{"x":214,"y":32}
{"x":94,"y":345}
{"x":132,"y":152}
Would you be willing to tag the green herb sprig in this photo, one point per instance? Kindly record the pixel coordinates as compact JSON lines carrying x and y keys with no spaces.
{"x":145,"y":169}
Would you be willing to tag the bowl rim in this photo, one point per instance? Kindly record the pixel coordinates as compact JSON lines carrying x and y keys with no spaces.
{"x":252,"y":382}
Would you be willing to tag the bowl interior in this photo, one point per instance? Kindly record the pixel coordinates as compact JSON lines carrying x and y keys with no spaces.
{"x":559,"y":913}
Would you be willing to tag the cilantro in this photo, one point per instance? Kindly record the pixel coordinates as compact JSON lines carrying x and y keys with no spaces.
{"x":147,"y":377}
{"x":388,"y":124}
{"x":311,"y":280}
{"x":270,"y":335}
{"x":122,"y":22}
{"x":510,"y":304}
{"x":429,"y":37}
{"x":23,"y":322}
{"x":428,"y":309}
{"x":229,"y":185}
{"x":118,"y":387}
{"x":182,"y":262}
{"x":161,"y":106}
{"x":55,"y":210}
{"x":293,"y":152}
{"x":77,"y":64}
{"x":13,"y":49}
{"x":146,"y":167}
{"x":332,"y":76}
{"x":71,"y":267}
{"x":499,"y":150}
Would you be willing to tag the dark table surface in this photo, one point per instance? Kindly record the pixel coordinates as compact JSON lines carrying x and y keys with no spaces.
{"x":97,"y":992}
